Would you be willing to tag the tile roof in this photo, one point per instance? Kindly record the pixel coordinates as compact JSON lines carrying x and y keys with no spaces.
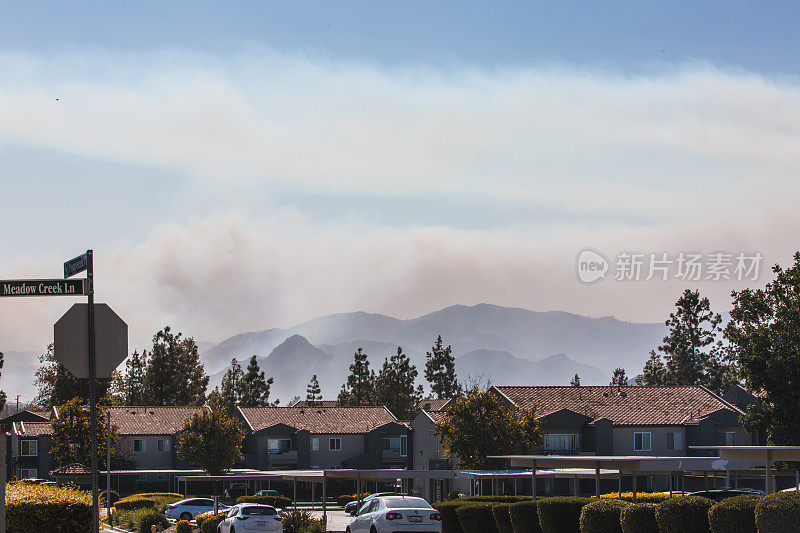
{"x":32,"y":429}
{"x":72,"y":469}
{"x":146,"y":420}
{"x":436,"y":416}
{"x":321,"y":403}
{"x":321,"y":420}
{"x":433,"y":404}
{"x":626,"y":406}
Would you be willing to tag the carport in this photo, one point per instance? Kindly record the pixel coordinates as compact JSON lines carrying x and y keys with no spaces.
{"x":515,"y":475}
{"x":763,"y":455}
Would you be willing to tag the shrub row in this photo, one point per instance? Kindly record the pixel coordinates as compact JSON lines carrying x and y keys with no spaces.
{"x":279,"y":502}
{"x":45,"y":509}
{"x":602,"y":516}
{"x":183,"y":527}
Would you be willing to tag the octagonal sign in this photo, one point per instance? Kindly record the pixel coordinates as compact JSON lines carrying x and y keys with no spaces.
{"x":71,"y":340}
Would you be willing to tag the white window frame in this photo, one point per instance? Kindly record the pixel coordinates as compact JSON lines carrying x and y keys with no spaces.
{"x":142,"y":446}
{"x":275,"y":451}
{"x":330,"y":444}
{"x":403,"y":445}
{"x":314,"y":444}
{"x":732,"y":434}
{"x":649,"y":441}
{"x":23,"y":475}
{"x":29,"y":442}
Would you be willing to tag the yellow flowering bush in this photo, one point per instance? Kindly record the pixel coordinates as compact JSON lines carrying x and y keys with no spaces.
{"x":44,"y":509}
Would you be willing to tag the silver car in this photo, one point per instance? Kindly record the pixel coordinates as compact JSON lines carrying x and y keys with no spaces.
{"x":189,"y":509}
{"x":386,"y":514}
{"x":251,"y":518}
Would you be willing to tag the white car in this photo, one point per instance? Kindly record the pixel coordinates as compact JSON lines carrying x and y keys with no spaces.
{"x":387,"y":514}
{"x":251,"y":518}
{"x":188,"y":509}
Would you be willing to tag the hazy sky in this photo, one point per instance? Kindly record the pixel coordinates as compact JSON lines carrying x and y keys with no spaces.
{"x":244,"y":165}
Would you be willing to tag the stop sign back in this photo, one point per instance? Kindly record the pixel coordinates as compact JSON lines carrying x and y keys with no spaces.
{"x":71,"y":341}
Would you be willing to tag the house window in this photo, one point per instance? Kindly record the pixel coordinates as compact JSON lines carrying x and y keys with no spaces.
{"x":138,"y":445}
{"x":276,"y":446}
{"x":567,"y":442}
{"x":163,"y":445}
{"x":28,"y":473}
{"x":314,"y":444}
{"x":730,"y":438}
{"x":335,"y":443}
{"x":403,"y":445}
{"x":674,"y":441}
{"x":391,"y":444}
{"x":641,"y":441}
{"x":29,"y":448}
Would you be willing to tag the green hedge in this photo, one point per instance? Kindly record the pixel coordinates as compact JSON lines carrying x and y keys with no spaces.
{"x":153,"y":519}
{"x":43,"y":509}
{"x":734,"y":515}
{"x":477,"y":517}
{"x":132,"y":503}
{"x":561,"y":514}
{"x":344,"y":499}
{"x":639,"y":518}
{"x":602,"y":516}
{"x":641,"y":497}
{"x":114,"y":498}
{"x":525,"y":517}
{"x":502,"y":517}
{"x":684,"y":514}
{"x":778,"y":513}
{"x":447,"y":509}
{"x":210,"y":524}
{"x":183,"y":527}
{"x":495,"y":499}
{"x":280,"y":502}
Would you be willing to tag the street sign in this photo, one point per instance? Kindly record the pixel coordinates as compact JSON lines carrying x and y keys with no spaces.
{"x":43,"y":287}
{"x":71,"y":343}
{"x":76,"y":265}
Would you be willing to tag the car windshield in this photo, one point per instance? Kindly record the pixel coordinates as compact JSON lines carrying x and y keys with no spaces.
{"x":406,"y":503}
{"x":262,"y":510}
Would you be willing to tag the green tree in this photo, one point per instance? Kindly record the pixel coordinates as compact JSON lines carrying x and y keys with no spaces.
{"x":394,"y":386}
{"x":764,"y":336}
{"x":619,"y":379}
{"x":440,"y":371}
{"x":258,"y":386}
{"x":133,"y":387}
{"x":575,"y":381}
{"x":57,"y":386}
{"x":71,"y":441}
{"x":359,"y":390}
{"x":313,"y":392}
{"x":211,"y":440}
{"x":234,"y":388}
{"x":175,"y":375}
{"x":478,"y":425}
{"x":654,"y":373}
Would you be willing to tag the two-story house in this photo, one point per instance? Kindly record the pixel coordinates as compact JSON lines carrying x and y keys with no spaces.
{"x":282,"y":438}
{"x":30,"y":450}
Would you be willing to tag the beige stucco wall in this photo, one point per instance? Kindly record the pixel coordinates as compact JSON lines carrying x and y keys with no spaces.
{"x":150,"y":458}
{"x":623,"y":440}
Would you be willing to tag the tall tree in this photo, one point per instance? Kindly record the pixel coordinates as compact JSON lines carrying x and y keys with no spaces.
{"x":440,"y":371}
{"x":2,"y":393}
{"x":313,"y":392}
{"x":71,"y":441}
{"x":575,"y":381}
{"x":394,"y":386}
{"x":764,"y":335}
{"x":134,"y":391}
{"x":211,"y":440}
{"x":57,"y":386}
{"x":692,"y":353}
{"x":234,"y":388}
{"x":360,"y":387}
{"x":619,"y":379}
{"x":258,"y":386}
{"x":478,"y":425}
{"x":175,"y":375}
{"x":654,"y":373}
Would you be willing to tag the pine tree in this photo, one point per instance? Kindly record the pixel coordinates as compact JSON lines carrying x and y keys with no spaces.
{"x":233,"y":389}
{"x":360,"y":387}
{"x":133,"y":391}
{"x":258,"y":386}
{"x":394,"y":386}
{"x":575,"y":381}
{"x":57,"y":386}
{"x":619,"y":379}
{"x":175,"y":375}
{"x":440,"y":371}
{"x":313,"y":392}
{"x":654,"y":373}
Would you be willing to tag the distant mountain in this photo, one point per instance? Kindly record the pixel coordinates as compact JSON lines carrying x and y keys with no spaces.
{"x":502,"y":368}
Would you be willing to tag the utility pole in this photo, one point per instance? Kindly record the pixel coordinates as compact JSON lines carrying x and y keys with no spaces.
{"x":108,"y":469}
{"x":17,"y":403}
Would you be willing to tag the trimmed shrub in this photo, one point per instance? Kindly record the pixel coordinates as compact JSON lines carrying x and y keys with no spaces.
{"x":204,"y":516}
{"x":297,"y":521}
{"x":561,"y":514}
{"x":495,"y":499}
{"x":639,"y":518}
{"x":183,"y":527}
{"x":502,"y":517}
{"x":525,"y":517}
{"x":344,"y":499}
{"x":279,"y":502}
{"x":211,"y":522}
{"x":778,"y":513}
{"x":41,"y":508}
{"x":477,"y":518}
{"x":153,"y":519}
{"x":131,"y":503}
{"x":447,"y":509}
{"x":114,"y":498}
{"x":641,"y":497}
{"x":602,"y":516}
{"x":684,"y":514}
{"x":734,"y":515}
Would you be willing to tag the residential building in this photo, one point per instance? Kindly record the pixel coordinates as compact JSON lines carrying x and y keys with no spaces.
{"x":30,"y":450}
{"x":26,"y":415}
{"x":323,"y":437}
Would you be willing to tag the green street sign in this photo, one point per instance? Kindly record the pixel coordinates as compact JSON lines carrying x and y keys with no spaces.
{"x":43,"y":287}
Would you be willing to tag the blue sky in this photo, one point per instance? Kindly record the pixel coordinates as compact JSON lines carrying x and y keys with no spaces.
{"x":243,"y":165}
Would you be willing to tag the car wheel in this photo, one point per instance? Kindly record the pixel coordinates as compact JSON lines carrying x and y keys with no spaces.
{"x":185,"y":516}
{"x":373,"y":530}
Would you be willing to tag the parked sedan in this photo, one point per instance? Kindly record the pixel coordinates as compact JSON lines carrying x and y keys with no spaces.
{"x":352,"y":507}
{"x":188,"y":509}
{"x":720,"y":494}
{"x":386,"y":514}
{"x":251,"y":518}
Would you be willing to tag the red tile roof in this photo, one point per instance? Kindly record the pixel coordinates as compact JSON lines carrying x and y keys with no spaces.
{"x":32,"y":429}
{"x":321,"y":403}
{"x":626,"y":406}
{"x":433,"y":404}
{"x":320,"y":420}
{"x":147,"y":420}
{"x":436,"y":416}
{"x":72,"y":469}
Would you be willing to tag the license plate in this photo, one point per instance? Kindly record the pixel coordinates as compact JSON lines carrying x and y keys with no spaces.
{"x":415,"y":519}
